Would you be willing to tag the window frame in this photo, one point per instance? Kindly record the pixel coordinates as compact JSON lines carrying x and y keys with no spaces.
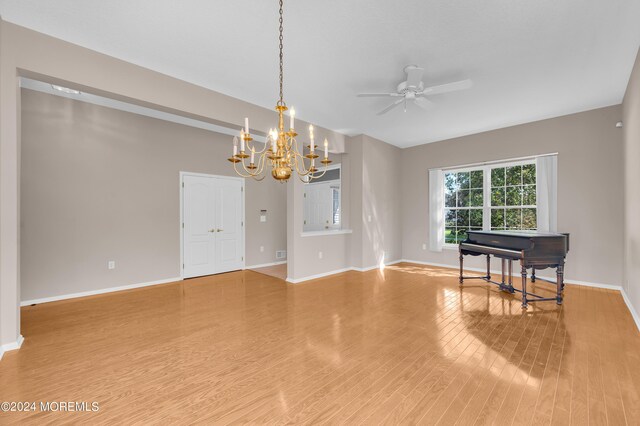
{"x":486,"y":192}
{"x":332,"y":226}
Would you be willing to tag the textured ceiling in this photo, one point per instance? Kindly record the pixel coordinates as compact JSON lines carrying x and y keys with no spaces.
{"x":528,"y":60}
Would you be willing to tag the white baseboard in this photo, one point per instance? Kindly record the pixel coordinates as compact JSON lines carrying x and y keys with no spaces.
{"x":517,"y":273}
{"x":313,"y":277}
{"x":369,"y":268}
{"x":338,"y":271}
{"x":94,"y":292}
{"x":264,"y":265}
{"x":633,"y":311}
{"x":11,"y":346}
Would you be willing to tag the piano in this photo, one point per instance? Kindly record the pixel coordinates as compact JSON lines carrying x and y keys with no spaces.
{"x":534,"y":250}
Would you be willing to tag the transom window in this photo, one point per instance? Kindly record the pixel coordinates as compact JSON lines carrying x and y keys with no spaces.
{"x":497,"y":196}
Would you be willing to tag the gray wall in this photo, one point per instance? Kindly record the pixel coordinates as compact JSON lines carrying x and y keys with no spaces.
{"x":303,"y":260}
{"x":381,"y":200}
{"x":100,"y":184}
{"x":590,"y":192}
{"x":376,"y":194}
{"x":27,"y":53}
{"x":370,"y":170}
{"x":631,"y":130}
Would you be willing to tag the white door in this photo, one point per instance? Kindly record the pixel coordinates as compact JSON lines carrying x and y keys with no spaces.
{"x":199,"y":236}
{"x":229,"y":218}
{"x":212,"y":222}
{"x":318,"y":207}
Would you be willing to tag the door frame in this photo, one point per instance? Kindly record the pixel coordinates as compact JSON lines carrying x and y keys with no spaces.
{"x":181,"y":221}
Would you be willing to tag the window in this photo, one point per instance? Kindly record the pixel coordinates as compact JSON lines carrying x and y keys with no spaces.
{"x":336,"y":205}
{"x":497,"y":197}
{"x":513,"y":197}
{"x":464,"y":203}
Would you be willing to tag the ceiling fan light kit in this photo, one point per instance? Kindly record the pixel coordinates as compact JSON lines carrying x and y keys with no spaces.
{"x":413,"y":90}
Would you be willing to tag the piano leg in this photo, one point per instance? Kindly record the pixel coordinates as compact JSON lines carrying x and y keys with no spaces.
{"x":559,"y":283}
{"x":533,"y":275}
{"x":503,"y":282}
{"x":488,"y":267}
{"x":461,"y":264}
{"x":524,"y":287}
{"x":511,"y":290}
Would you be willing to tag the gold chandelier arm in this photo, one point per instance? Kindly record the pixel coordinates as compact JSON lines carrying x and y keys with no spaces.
{"x":267,"y":144}
{"x":324,"y":170}
{"x":235,"y":167}
{"x":302,"y":171}
{"x":307,"y":171}
{"x":262,"y":161}
{"x":255,"y":173}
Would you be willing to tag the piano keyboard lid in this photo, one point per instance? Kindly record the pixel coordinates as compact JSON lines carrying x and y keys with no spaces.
{"x":518,"y":233}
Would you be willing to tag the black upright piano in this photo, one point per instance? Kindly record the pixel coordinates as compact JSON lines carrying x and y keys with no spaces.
{"x":535,"y":251}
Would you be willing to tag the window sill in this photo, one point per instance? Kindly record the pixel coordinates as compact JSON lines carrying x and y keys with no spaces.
{"x":450,"y":247}
{"x":327,"y":232}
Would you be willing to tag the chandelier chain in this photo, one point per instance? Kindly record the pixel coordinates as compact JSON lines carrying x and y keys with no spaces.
{"x":281,"y":101}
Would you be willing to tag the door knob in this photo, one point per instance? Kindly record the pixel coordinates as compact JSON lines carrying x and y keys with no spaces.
{"x":212,"y":230}
{"x":219,"y":230}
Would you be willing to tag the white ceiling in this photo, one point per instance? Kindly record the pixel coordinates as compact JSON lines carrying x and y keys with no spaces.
{"x":528,"y":60}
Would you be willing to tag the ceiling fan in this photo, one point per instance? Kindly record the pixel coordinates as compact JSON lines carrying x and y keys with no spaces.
{"x":413,"y":90}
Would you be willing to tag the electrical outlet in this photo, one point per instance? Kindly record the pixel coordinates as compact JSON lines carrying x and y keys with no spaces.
{"x":369,"y":218}
{"x":261,"y":249}
{"x":111,"y":264}
{"x":424,"y":246}
{"x":319,"y":255}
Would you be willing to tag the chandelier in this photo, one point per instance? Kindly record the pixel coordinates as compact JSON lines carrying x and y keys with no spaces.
{"x":280,"y":151}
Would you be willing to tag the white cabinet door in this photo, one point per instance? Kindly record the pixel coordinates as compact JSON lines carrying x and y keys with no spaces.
{"x":213,"y":220}
{"x":199,"y":236}
{"x":229,"y":217}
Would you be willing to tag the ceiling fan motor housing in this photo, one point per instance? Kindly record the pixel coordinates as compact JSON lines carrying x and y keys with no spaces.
{"x":404,"y":88}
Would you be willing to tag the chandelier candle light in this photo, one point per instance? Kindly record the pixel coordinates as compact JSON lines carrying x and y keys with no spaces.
{"x":280,"y":150}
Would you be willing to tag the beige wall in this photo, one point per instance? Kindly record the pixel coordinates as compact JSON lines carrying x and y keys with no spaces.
{"x":587,"y":142}
{"x":590,"y":193}
{"x":382,"y":202}
{"x":376,"y":194}
{"x":24,"y":52}
{"x":303,"y":260}
{"x":100,"y":184}
{"x":631,"y":130}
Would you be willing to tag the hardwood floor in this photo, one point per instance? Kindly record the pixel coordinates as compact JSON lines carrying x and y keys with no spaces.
{"x":276,"y":271}
{"x":400,"y":346}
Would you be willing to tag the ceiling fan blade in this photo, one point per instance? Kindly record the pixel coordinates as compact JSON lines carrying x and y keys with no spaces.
{"x":392,"y":106}
{"x":449,"y":87}
{"x":422,"y":102}
{"x":414,"y":75}
{"x":375,"y":95}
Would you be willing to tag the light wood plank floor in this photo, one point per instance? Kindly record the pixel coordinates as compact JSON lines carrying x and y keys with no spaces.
{"x":399,"y":346}
{"x":276,"y":271}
